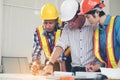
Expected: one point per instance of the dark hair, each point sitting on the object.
(101, 13)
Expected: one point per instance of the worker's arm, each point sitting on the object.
(35, 65)
(62, 66)
(61, 45)
(49, 66)
(119, 63)
(62, 62)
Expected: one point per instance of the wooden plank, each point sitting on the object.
(24, 65)
(15, 65)
(11, 65)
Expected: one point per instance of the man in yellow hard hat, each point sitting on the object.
(45, 39)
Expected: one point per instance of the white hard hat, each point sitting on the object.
(68, 9)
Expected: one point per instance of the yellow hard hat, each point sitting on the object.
(48, 12)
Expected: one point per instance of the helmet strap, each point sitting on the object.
(97, 8)
(78, 8)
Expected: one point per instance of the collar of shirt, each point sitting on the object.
(106, 22)
(86, 23)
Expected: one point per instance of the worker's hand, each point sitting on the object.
(92, 67)
(48, 70)
(35, 67)
(119, 64)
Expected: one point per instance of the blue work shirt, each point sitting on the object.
(116, 37)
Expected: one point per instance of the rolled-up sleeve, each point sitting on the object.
(63, 41)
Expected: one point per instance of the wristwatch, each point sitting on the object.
(49, 63)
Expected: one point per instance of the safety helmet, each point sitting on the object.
(88, 5)
(68, 9)
(48, 12)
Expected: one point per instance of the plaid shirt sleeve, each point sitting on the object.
(36, 48)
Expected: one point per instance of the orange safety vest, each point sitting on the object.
(111, 61)
(43, 40)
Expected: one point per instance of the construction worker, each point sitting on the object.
(77, 34)
(45, 38)
(107, 34)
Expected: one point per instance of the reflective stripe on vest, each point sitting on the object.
(97, 46)
(44, 42)
(109, 45)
